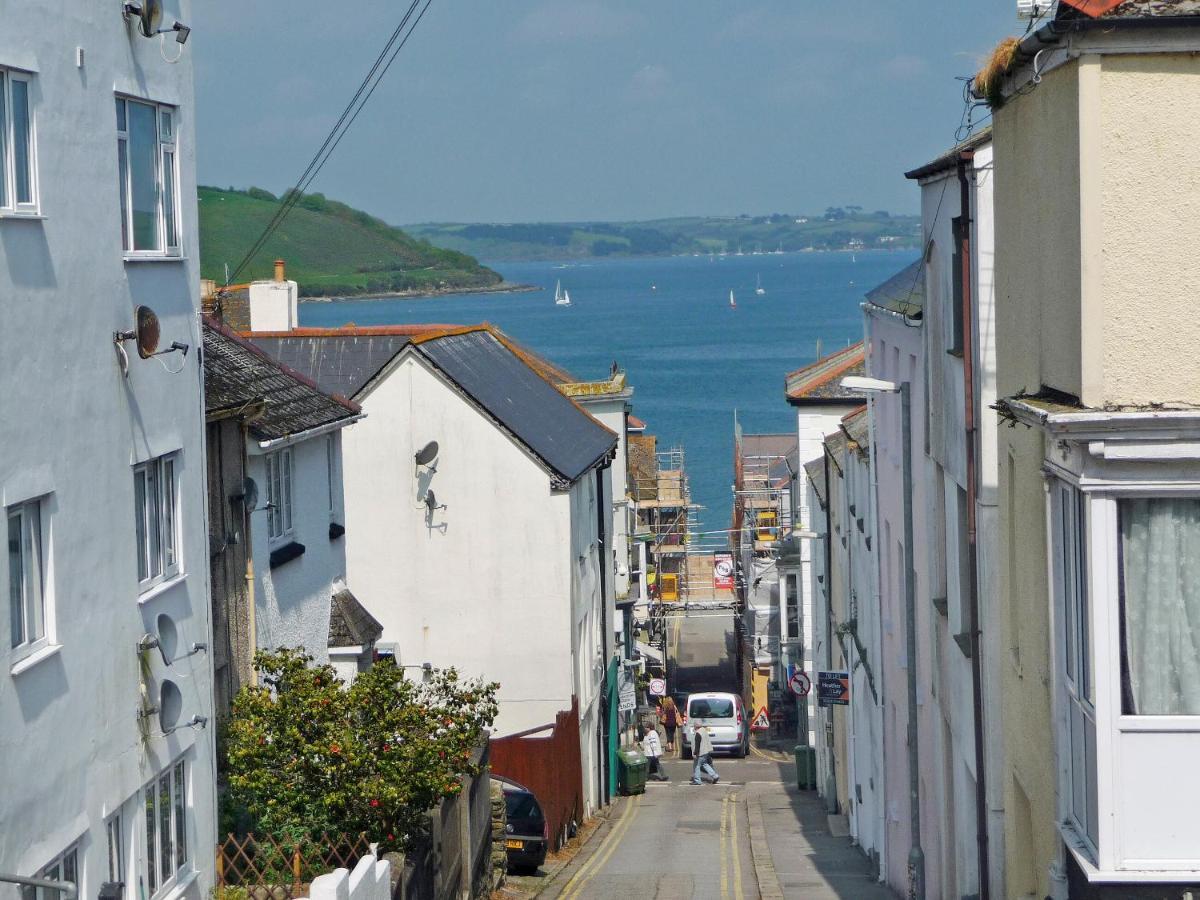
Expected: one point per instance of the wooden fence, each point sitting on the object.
(272, 869)
(551, 766)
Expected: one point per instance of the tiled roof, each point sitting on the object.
(949, 159)
(239, 376)
(903, 293)
(350, 625)
(634, 423)
(520, 398)
(1127, 9)
(820, 382)
(856, 427)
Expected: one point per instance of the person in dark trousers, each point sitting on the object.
(670, 720)
(652, 747)
(702, 750)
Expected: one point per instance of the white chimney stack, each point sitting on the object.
(274, 304)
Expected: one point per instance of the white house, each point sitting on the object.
(106, 695)
(478, 499)
(275, 512)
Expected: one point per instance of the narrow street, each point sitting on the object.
(753, 834)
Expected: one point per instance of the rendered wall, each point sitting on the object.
(71, 430)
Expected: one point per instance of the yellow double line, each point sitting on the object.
(729, 848)
(606, 849)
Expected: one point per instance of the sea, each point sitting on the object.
(695, 363)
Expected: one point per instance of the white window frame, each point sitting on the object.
(9, 205)
(32, 523)
(164, 874)
(281, 480)
(64, 867)
(115, 846)
(156, 518)
(168, 222)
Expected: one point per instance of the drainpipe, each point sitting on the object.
(966, 159)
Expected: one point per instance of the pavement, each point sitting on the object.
(751, 835)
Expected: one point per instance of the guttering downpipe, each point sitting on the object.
(290, 439)
(965, 160)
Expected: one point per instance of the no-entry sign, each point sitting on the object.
(833, 688)
(658, 687)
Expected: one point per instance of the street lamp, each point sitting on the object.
(916, 856)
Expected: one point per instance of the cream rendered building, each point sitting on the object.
(1099, 479)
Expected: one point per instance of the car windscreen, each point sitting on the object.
(711, 708)
(521, 805)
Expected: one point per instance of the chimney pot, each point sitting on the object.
(279, 273)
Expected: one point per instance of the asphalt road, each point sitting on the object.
(677, 840)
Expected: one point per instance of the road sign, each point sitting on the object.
(628, 697)
(658, 687)
(761, 722)
(800, 684)
(833, 688)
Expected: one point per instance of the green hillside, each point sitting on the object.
(838, 228)
(330, 248)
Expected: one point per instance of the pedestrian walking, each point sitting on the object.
(702, 750)
(652, 747)
(670, 719)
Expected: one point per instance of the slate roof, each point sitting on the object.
(856, 426)
(350, 625)
(949, 159)
(903, 293)
(496, 376)
(340, 360)
(816, 477)
(820, 382)
(239, 375)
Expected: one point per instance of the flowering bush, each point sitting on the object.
(308, 753)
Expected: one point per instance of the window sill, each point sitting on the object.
(22, 216)
(286, 553)
(28, 662)
(182, 883)
(158, 258)
(157, 590)
(955, 352)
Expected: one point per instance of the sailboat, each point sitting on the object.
(760, 290)
(561, 297)
(732, 302)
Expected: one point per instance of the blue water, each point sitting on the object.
(691, 360)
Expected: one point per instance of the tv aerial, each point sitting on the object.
(145, 335)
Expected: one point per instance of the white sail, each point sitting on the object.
(759, 289)
(732, 302)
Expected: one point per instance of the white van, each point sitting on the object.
(726, 720)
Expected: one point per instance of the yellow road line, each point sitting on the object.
(603, 852)
(733, 847)
(724, 862)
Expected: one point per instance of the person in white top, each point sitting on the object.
(652, 747)
(702, 750)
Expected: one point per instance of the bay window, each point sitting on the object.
(148, 178)
(18, 172)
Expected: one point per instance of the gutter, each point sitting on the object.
(289, 439)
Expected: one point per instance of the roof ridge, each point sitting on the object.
(853, 348)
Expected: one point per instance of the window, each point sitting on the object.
(279, 494)
(1159, 561)
(64, 867)
(165, 802)
(26, 566)
(18, 176)
(792, 606)
(148, 178)
(116, 852)
(156, 520)
(959, 229)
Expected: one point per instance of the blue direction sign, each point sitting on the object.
(833, 689)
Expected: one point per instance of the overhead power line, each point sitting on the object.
(383, 62)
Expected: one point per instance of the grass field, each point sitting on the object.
(329, 247)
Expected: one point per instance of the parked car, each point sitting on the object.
(726, 720)
(527, 833)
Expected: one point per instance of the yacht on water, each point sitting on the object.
(732, 302)
(561, 297)
(760, 290)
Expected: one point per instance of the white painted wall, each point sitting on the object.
(492, 584)
(610, 411)
(292, 601)
(72, 429)
(274, 305)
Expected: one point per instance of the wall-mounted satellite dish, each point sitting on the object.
(249, 495)
(147, 332)
(148, 13)
(427, 454)
(168, 637)
(170, 705)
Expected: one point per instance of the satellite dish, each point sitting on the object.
(168, 637)
(427, 454)
(147, 332)
(170, 705)
(249, 494)
(149, 14)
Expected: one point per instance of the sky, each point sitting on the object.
(558, 110)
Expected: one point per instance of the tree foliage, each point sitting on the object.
(308, 753)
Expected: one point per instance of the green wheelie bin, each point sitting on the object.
(806, 767)
(632, 770)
